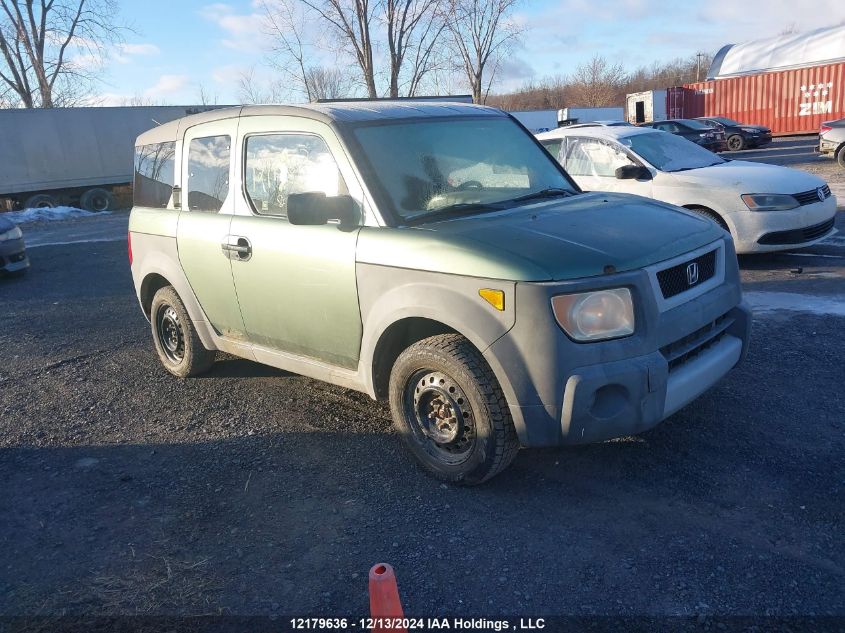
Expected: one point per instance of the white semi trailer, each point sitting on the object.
(74, 156)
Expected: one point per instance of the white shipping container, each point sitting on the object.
(645, 107)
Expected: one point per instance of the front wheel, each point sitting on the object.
(840, 157)
(450, 411)
(176, 341)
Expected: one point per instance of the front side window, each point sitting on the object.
(277, 165)
(428, 167)
(591, 157)
(155, 172)
(208, 172)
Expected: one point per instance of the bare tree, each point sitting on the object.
(481, 32)
(38, 39)
(414, 28)
(597, 82)
(204, 96)
(285, 23)
(328, 83)
(352, 22)
(251, 91)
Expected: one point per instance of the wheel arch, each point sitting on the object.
(394, 339)
(155, 269)
(151, 284)
(705, 210)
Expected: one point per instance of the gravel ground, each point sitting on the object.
(253, 492)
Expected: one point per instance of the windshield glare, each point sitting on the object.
(426, 166)
(670, 152)
(725, 121)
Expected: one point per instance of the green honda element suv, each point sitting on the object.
(434, 255)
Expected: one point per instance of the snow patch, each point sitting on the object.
(49, 214)
(768, 303)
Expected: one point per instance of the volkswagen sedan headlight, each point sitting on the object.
(11, 234)
(769, 201)
(595, 316)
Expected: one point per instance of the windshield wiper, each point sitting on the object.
(551, 192)
(453, 210)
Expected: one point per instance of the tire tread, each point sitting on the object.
(458, 348)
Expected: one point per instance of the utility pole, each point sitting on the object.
(698, 57)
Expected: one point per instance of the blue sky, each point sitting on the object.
(180, 45)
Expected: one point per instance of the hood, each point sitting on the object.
(560, 239)
(746, 177)
(756, 128)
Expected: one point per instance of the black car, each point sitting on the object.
(708, 136)
(739, 135)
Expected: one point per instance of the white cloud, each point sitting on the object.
(139, 49)
(244, 31)
(167, 86)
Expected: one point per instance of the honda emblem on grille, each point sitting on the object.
(692, 274)
(820, 193)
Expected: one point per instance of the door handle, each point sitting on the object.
(237, 247)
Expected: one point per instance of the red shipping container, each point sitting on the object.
(794, 101)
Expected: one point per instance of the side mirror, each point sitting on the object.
(315, 208)
(633, 172)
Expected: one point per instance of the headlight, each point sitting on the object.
(595, 316)
(769, 201)
(13, 234)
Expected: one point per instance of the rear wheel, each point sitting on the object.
(40, 201)
(840, 157)
(176, 341)
(97, 200)
(736, 142)
(450, 411)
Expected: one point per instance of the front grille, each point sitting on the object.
(798, 236)
(812, 196)
(675, 280)
(688, 347)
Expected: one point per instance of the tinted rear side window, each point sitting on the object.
(154, 175)
(208, 172)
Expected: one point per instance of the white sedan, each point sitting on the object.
(765, 207)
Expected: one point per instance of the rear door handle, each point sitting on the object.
(237, 247)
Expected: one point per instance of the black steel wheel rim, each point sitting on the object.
(440, 416)
(171, 337)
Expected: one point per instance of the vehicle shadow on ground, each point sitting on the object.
(232, 367)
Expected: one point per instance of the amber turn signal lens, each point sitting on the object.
(495, 298)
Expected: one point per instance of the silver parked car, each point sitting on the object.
(832, 140)
(12, 251)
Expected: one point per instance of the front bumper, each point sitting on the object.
(768, 231)
(13, 256)
(562, 392)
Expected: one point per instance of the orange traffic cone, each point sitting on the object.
(385, 607)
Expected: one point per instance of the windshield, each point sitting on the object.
(669, 152)
(463, 164)
(725, 120)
